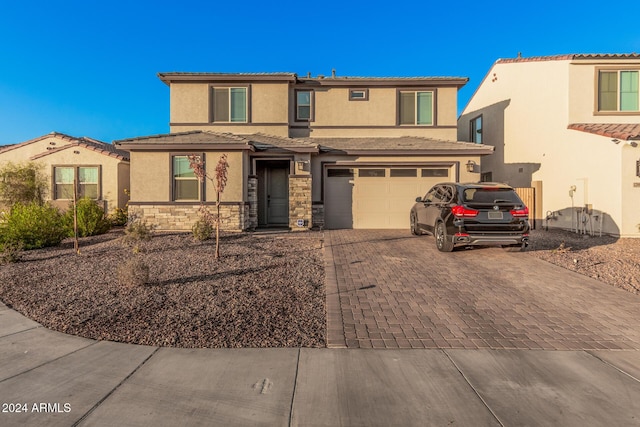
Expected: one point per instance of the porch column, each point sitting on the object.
(252, 195)
(300, 205)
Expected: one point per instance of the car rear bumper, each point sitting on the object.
(490, 239)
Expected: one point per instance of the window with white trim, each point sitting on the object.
(476, 130)
(230, 105)
(618, 90)
(416, 108)
(303, 105)
(87, 179)
(185, 185)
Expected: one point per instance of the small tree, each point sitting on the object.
(219, 181)
(23, 183)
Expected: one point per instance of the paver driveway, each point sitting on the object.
(389, 289)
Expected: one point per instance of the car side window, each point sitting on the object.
(428, 198)
(446, 194)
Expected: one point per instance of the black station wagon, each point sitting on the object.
(471, 215)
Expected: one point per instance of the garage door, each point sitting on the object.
(376, 197)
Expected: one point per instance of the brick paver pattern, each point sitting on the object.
(388, 289)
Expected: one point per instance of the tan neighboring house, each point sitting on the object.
(100, 170)
(334, 152)
(569, 126)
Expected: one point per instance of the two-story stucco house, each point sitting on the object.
(335, 152)
(569, 126)
(99, 170)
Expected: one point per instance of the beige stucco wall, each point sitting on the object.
(332, 108)
(151, 176)
(112, 170)
(527, 124)
(582, 92)
(630, 191)
(191, 109)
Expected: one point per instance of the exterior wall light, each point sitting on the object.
(471, 165)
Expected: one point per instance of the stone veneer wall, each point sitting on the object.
(235, 217)
(252, 196)
(300, 205)
(318, 215)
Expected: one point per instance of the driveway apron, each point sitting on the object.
(389, 289)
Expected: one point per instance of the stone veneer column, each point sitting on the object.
(300, 205)
(252, 195)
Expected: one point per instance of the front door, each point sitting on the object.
(277, 196)
(273, 192)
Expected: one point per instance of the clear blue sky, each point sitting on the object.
(88, 68)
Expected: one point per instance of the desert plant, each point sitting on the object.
(11, 252)
(90, 217)
(134, 272)
(22, 183)
(120, 216)
(34, 225)
(136, 232)
(219, 182)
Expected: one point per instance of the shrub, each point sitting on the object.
(11, 252)
(136, 232)
(118, 217)
(91, 219)
(203, 230)
(134, 272)
(22, 183)
(34, 225)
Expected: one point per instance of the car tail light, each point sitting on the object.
(520, 212)
(461, 211)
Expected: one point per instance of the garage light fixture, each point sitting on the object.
(471, 165)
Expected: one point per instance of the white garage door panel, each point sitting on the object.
(373, 202)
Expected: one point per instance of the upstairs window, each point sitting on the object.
(87, 179)
(618, 91)
(358, 94)
(416, 108)
(303, 105)
(476, 130)
(230, 104)
(186, 185)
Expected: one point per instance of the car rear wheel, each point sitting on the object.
(442, 241)
(414, 225)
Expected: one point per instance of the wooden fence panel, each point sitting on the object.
(528, 196)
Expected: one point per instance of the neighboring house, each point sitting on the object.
(100, 170)
(335, 152)
(570, 127)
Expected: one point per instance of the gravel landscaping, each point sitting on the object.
(611, 260)
(265, 291)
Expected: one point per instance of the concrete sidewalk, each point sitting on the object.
(53, 379)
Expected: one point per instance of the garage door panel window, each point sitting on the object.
(340, 173)
(432, 173)
(403, 173)
(371, 173)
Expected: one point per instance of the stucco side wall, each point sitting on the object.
(596, 177)
(24, 152)
(189, 103)
(151, 176)
(630, 192)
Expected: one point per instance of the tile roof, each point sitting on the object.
(190, 137)
(406, 144)
(85, 142)
(570, 57)
(263, 142)
(623, 131)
